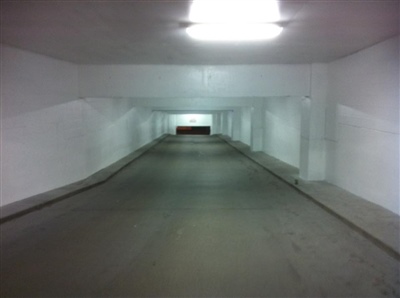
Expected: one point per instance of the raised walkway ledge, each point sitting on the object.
(25, 206)
(377, 224)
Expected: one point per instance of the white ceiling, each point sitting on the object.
(152, 32)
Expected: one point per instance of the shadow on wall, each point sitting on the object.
(283, 129)
(61, 144)
(32, 82)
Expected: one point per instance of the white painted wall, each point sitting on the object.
(169, 81)
(241, 124)
(193, 120)
(50, 137)
(363, 124)
(282, 129)
(233, 88)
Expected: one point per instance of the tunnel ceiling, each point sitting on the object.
(152, 32)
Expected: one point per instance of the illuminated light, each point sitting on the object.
(234, 11)
(233, 32)
(234, 20)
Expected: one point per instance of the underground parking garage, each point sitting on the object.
(191, 217)
(290, 190)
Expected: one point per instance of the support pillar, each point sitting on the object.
(216, 123)
(226, 123)
(312, 145)
(237, 124)
(257, 125)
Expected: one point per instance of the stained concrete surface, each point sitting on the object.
(192, 217)
(378, 224)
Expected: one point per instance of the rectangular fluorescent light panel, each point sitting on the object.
(234, 32)
(234, 11)
(234, 20)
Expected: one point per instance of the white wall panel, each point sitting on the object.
(363, 124)
(193, 120)
(282, 129)
(166, 81)
(50, 137)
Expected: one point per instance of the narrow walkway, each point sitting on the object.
(192, 217)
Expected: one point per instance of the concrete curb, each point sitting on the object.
(28, 205)
(383, 226)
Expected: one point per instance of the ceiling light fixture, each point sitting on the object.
(233, 32)
(228, 11)
(234, 20)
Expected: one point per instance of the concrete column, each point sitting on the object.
(230, 127)
(237, 124)
(216, 123)
(221, 122)
(257, 125)
(172, 124)
(226, 123)
(312, 145)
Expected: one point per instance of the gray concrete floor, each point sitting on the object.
(192, 217)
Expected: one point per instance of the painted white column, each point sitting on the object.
(220, 116)
(312, 145)
(221, 123)
(172, 124)
(257, 125)
(225, 124)
(216, 123)
(229, 124)
(237, 124)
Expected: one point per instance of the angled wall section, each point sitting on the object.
(50, 136)
(363, 124)
(282, 129)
